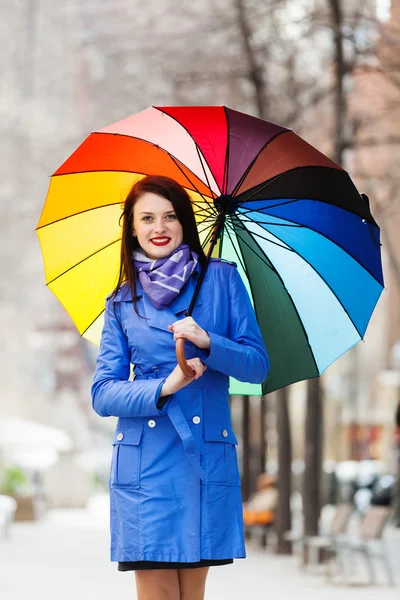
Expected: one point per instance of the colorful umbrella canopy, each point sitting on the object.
(306, 244)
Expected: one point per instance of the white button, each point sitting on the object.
(225, 433)
(120, 437)
(151, 423)
(196, 420)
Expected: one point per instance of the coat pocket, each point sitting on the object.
(126, 458)
(220, 458)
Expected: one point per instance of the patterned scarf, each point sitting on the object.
(162, 279)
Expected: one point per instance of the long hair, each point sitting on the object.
(176, 194)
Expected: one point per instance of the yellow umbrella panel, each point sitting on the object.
(80, 235)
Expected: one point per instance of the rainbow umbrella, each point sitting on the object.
(304, 239)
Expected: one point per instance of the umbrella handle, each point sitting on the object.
(180, 355)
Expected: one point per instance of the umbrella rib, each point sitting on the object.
(208, 236)
(267, 183)
(82, 212)
(202, 210)
(274, 270)
(241, 259)
(322, 235)
(293, 225)
(195, 188)
(210, 218)
(204, 171)
(240, 204)
(134, 172)
(237, 252)
(83, 260)
(188, 132)
(266, 239)
(210, 212)
(226, 165)
(326, 283)
(134, 137)
(251, 165)
(290, 201)
(208, 226)
(273, 179)
(208, 221)
(262, 259)
(207, 211)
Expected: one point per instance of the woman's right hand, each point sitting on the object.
(176, 380)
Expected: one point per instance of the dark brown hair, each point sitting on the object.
(177, 195)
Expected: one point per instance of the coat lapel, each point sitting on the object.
(162, 318)
(183, 300)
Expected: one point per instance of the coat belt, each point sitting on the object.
(178, 420)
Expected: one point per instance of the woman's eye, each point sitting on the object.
(150, 218)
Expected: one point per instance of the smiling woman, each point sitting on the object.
(176, 504)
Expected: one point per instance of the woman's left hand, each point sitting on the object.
(188, 329)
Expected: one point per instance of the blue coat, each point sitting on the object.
(174, 482)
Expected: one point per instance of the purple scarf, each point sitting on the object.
(162, 279)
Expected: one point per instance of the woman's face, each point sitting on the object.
(156, 225)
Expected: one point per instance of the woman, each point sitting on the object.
(174, 484)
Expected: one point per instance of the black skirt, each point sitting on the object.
(143, 565)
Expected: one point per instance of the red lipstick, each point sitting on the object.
(161, 241)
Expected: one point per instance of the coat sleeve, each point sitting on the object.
(242, 355)
(112, 393)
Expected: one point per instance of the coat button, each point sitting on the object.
(155, 368)
(151, 423)
(224, 433)
(196, 420)
(120, 437)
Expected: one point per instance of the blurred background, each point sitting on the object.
(328, 69)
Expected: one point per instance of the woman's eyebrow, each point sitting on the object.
(145, 212)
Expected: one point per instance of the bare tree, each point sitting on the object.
(255, 72)
(314, 413)
(284, 516)
(313, 458)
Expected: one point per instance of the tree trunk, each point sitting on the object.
(263, 434)
(394, 259)
(341, 141)
(283, 517)
(314, 417)
(396, 490)
(313, 458)
(340, 68)
(255, 71)
(246, 448)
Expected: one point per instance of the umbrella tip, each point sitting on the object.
(226, 203)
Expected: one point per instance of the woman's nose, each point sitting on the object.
(159, 226)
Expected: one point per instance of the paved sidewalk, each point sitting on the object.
(66, 556)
